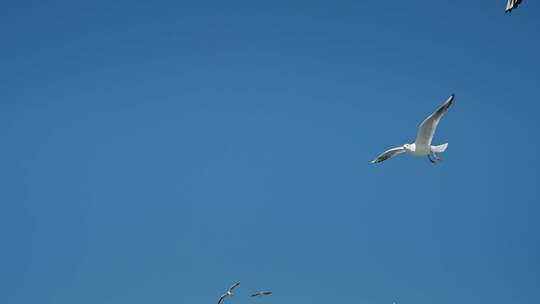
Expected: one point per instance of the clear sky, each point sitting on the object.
(159, 151)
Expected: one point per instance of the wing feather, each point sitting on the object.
(509, 5)
(261, 293)
(234, 286)
(221, 298)
(387, 154)
(512, 4)
(429, 125)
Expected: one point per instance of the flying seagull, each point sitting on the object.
(261, 294)
(422, 146)
(511, 4)
(229, 293)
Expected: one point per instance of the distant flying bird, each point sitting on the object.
(229, 293)
(261, 294)
(422, 146)
(511, 4)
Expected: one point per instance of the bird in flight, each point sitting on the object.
(511, 4)
(422, 146)
(229, 293)
(261, 294)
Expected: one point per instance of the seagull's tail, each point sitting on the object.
(439, 148)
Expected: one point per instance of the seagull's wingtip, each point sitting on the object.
(449, 101)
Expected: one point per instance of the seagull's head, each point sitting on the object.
(407, 147)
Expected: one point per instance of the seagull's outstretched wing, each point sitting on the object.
(234, 286)
(221, 299)
(511, 4)
(387, 154)
(261, 293)
(429, 125)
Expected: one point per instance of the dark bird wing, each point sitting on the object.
(234, 286)
(221, 299)
(511, 4)
(261, 293)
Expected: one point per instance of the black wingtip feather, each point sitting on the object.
(450, 100)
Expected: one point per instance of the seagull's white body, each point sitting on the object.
(422, 146)
(424, 150)
(420, 151)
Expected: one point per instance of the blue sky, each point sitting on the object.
(159, 152)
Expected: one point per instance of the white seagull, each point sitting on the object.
(511, 4)
(229, 293)
(261, 293)
(422, 146)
